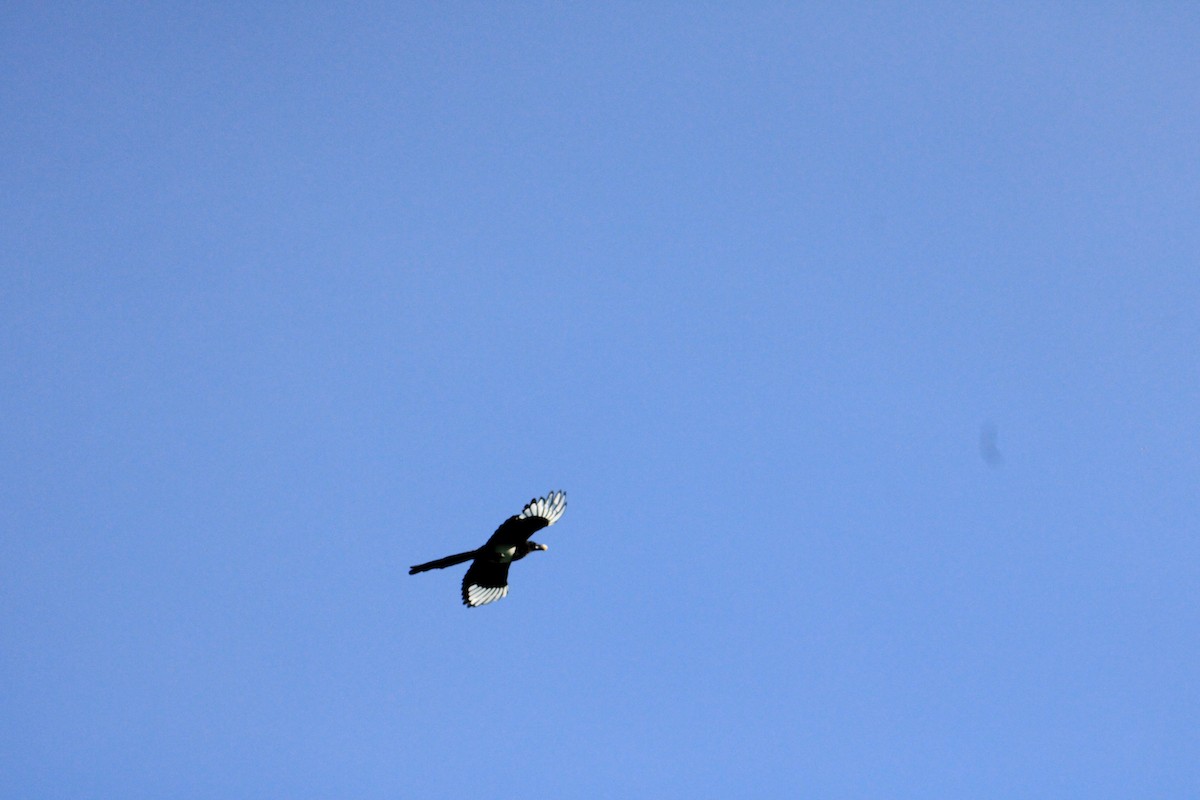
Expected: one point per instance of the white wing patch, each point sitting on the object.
(549, 508)
(482, 595)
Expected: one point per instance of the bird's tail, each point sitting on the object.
(442, 563)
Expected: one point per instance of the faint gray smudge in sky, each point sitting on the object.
(987, 445)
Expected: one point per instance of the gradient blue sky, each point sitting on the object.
(295, 296)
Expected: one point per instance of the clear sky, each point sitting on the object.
(864, 341)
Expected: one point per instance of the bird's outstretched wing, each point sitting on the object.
(549, 508)
(485, 582)
(540, 512)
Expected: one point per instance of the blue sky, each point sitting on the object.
(296, 296)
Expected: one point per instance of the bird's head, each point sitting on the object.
(535, 546)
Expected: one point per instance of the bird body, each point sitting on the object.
(487, 578)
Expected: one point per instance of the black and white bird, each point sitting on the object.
(487, 578)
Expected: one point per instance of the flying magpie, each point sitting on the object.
(487, 578)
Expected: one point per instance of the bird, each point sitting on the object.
(486, 580)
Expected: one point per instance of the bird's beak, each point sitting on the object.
(543, 547)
